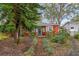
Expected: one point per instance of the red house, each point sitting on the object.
(43, 28)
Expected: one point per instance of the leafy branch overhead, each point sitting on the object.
(26, 14)
(59, 10)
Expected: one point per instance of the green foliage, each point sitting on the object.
(10, 27)
(35, 41)
(32, 48)
(58, 10)
(49, 50)
(45, 42)
(21, 14)
(3, 36)
(29, 52)
(32, 34)
(7, 28)
(47, 46)
(29, 25)
(61, 37)
(58, 39)
(6, 11)
(77, 36)
(1, 28)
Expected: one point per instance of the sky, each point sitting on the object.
(66, 19)
(69, 17)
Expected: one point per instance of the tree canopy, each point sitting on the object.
(19, 15)
(59, 10)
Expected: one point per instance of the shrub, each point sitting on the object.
(31, 50)
(1, 28)
(61, 37)
(77, 36)
(45, 43)
(35, 41)
(58, 39)
(7, 28)
(10, 27)
(47, 46)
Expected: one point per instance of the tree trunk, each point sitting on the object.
(17, 21)
(18, 36)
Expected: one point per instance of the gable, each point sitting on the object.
(72, 26)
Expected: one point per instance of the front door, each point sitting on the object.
(39, 32)
(55, 29)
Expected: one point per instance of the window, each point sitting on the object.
(50, 29)
(43, 29)
(72, 27)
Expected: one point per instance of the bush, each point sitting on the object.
(77, 36)
(45, 43)
(9, 27)
(58, 39)
(2, 28)
(61, 37)
(35, 41)
(47, 46)
(31, 50)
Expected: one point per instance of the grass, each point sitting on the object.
(3, 36)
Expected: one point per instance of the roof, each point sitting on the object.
(44, 24)
(72, 23)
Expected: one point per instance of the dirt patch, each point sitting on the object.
(61, 49)
(9, 48)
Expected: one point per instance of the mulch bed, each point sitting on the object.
(8, 47)
(58, 50)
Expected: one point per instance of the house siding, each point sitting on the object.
(71, 31)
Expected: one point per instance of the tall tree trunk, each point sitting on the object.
(17, 21)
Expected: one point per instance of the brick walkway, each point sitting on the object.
(39, 50)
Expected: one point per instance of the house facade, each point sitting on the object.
(44, 28)
(46, 25)
(72, 28)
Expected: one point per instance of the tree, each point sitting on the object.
(76, 18)
(59, 10)
(23, 15)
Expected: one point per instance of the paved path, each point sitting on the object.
(39, 50)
